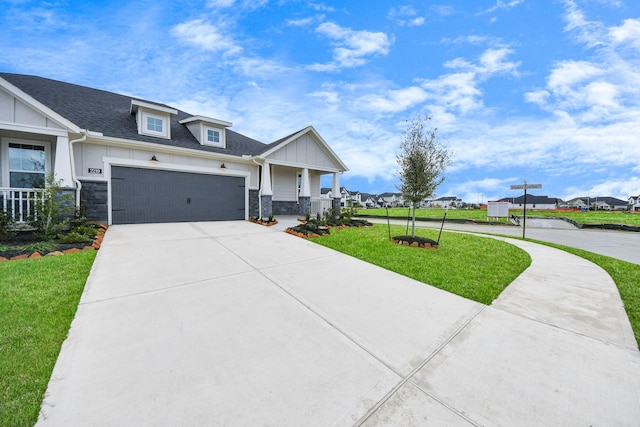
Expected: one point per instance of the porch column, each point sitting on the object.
(62, 162)
(266, 192)
(336, 194)
(305, 193)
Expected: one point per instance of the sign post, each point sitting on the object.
(524, 187)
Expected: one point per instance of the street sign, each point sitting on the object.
(525, 186)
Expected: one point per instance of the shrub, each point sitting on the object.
(52, 213)
(6, 223)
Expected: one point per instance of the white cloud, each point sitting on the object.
(220, 4)
(302, 22)
(352, 48)
(406, 15)
(627, 33)
(501, 4)
(205, 36)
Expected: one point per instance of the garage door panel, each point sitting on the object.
(149, 195)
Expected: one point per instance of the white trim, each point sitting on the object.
(141, 164)
(204, 119)
(301, 166)
(135, 103)
(40, 130)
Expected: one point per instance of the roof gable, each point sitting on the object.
(21, 109)
(303, 147)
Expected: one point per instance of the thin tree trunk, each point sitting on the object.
(413, 225)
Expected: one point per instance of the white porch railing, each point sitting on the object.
(320, 205)
(20, 203)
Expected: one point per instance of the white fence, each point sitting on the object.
(20, 203)
(319, 205)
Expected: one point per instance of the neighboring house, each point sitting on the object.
(533, 202)
(349, 198)
(600, 203)
(445, 202)
(634, 203)
(368, 200)
(391, 199)
(128, 160)
(578, 203)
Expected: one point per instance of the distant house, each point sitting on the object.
(634, 203)
(610, 204)
(368, 200)
(533, 202)
(599, 203)
(444, 202)
(391, 199)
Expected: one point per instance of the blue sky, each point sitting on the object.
(542, 90)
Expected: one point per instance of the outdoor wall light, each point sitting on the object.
(153, 159)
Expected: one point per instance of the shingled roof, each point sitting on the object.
(109, 113)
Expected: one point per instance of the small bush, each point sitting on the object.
(6, 223)
(75, 237)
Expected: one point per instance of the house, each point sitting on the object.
(368, 200)
(445, 202)
(349, 198)
(533, 202)
(129, 160)
(599, 203)
(391, 199)
(633, 203)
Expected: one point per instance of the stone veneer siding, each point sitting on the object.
(305, 205)
(93, 201)
(254, 207)
(267, 209)
(336, 206)
(285, 208)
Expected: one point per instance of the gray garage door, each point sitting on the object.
(149, 195)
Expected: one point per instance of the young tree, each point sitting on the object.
(422, 160)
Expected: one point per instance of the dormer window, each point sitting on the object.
(152, 119)
(154, 124)
(207, 131)
(213, 136)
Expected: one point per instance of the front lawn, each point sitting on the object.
(38, 300)
(473, 267)
(587, 217)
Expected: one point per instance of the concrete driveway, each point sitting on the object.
(232, 323)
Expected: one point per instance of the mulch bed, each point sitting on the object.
(419, 242)
(24, 238)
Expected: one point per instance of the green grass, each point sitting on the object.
(38, 300)
(473, 267)
(626, 275)
(599, 217)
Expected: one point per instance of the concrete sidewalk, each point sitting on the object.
(232, 323)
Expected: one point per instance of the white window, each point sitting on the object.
(24, 163)
(213, 136)
(155, 124)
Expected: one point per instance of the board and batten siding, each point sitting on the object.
(303, 151)
(90, 156)
(13, 110)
